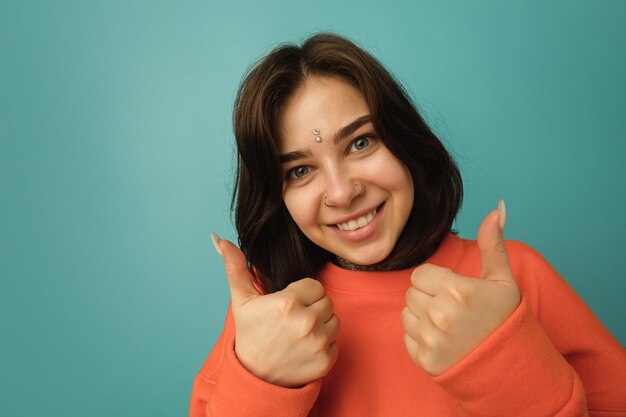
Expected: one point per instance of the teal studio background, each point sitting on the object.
(116, 160)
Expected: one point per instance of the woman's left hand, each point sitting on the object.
(448, 315)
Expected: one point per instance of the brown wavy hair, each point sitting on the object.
(276, 249)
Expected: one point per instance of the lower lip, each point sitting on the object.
(361, 233)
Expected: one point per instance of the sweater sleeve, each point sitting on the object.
(225, 388)
(551, 357)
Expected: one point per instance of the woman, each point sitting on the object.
(344, 205)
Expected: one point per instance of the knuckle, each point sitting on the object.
(431, 340)
(286, 303)
(332, 327)
(330, 304)
(413, 354)
(461, 293)
(418, 272)
(405, 318)
(325, 359)
(430, 366)
(331, 354)
(306, 324)
(441, 319)
(430, 361)
(409, 296)
(319, 345)
(337, 324)
(312, 283)
(500, 248)
(412, 349)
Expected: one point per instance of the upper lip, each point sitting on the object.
(355, 215)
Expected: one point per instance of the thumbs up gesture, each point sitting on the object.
(287, 338)
(448, 315)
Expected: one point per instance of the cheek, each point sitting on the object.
(398, 181)
(408, 191)
(301, 207)
(394, 176)
(407, 195)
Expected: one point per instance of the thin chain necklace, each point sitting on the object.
(345, 264)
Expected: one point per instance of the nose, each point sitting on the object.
(341, 190)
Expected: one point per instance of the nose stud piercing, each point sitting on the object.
(318, 138)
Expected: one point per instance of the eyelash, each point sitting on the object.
(290, 175)
(291, 172)
(370, 139)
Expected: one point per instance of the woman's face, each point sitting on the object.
(346, 192)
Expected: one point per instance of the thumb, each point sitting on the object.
(237, 273)
(494, 259)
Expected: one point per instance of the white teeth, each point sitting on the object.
(357, 223)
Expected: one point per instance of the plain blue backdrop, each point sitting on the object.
(116, 160)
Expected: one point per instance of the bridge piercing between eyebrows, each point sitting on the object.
(318, 138)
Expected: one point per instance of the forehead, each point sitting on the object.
(321, 102)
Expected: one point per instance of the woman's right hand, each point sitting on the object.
(286, 338)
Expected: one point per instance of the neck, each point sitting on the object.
(381, 266)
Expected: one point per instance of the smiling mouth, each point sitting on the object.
(358, 222)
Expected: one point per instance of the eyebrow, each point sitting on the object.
(341, 134)
(346, 131)
(294, 156)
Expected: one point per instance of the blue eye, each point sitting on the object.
(298, 172)
(360, 144)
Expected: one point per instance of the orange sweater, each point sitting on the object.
(551, 357)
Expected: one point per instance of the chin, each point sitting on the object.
(366, 259)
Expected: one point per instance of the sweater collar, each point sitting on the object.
(388, 282)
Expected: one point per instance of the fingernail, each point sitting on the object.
(216, 239)
(502, 210)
